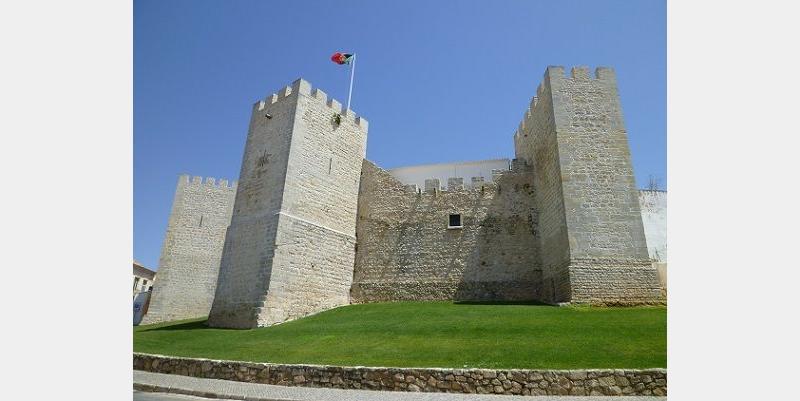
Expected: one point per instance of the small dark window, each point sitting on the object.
(455, 221)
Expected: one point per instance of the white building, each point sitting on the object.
(443, 171)
(143, 278)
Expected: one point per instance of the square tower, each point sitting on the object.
(593, 243)
(189, 263)
(290, 248)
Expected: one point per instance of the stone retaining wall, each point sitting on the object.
(481, 381)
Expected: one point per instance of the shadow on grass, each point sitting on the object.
(196, 325)
(534, 303)
(203, 324)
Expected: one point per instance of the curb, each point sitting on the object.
(511, 382)
(230, 390)
(150, 388)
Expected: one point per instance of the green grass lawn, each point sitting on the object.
(433, 334)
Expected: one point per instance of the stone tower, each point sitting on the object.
(290, 248)
(592, 243)
(189, 263)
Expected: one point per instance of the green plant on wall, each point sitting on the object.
(336, 119)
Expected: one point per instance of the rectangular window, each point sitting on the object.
(455, 221)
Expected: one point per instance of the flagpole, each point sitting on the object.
(352, 72)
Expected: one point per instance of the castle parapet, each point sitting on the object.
(557, 73)
(455, 184)
(187, 179)
(578, 73)
(301, 86)
(431, 184)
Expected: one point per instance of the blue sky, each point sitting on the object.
(438, 81)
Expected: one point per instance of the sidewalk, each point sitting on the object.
(212, 388)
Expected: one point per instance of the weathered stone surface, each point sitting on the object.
(577, 391)
(189, 262)
(404, 237)
(593, 249)
(577, 375)
(564, 224)
(517, 382)
(290, 247)
(607, 381)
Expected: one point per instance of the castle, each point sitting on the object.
(312, 225)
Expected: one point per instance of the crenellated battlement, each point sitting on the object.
(303, 87)
(580, 72)
(187, 179)
(464, 194)
(561, 222)
(577, 73)
(460, 184)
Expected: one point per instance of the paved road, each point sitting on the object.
(223, 389)
(146, 396)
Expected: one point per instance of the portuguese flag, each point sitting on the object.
(346, 58)
(341, 58)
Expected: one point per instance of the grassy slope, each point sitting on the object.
(433, 334)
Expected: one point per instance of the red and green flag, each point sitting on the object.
(341, 58)
(346, 58)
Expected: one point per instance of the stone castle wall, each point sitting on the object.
(190, 256)
(407, 252)
(291, 245)
(315, 224)
(575, 137)
(535, 142)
